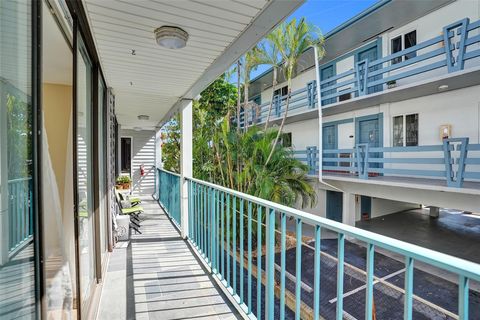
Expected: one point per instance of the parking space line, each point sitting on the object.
(292, 278)
(349, 293)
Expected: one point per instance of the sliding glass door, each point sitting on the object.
(84, 174)
(18, 267)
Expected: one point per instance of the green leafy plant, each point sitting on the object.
(123, 179)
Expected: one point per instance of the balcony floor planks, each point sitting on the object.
(156, 276)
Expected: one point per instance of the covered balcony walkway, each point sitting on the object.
(156, 275)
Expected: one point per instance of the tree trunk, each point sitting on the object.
(282, 124)
(238, 95)
(274, 85)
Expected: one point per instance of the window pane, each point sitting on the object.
(84, 172)
(398, 131)
(396, 47)
(410, 41)
(411, 123)
(17, 268)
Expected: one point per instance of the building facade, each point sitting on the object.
(399, 118)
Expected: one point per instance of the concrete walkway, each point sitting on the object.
(155, 275)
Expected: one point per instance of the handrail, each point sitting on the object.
(169, 172)
(220, 227)
(441, 260)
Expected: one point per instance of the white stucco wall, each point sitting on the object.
(304, 133)
(381, 207)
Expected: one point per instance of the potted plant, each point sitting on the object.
(123, 182)
(391, 84)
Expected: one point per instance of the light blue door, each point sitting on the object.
(326, 73)
(369, 131)
(329, 138)
(334, 205)
(371, 54)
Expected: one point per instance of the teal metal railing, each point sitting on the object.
(20, 208)
(227, 228)
(169, 194)
(455, 161)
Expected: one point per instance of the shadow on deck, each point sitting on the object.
(156, 275)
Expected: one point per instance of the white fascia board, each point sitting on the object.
(274, 12)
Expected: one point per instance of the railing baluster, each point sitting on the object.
(204, 229)
(316, 276)
(463, 291)
(217, 228)
(270, 264)
(22, 212)
(197, 215)
(340, 266)
(234, 245)
(222, 240)
(209, 227)
(259, 262)
(189, 231)
(283, 249)
(241, 250)
(249, 236)
(228, 239)
(298, 268)
(369, 281)
(408, 289)
(213, 232)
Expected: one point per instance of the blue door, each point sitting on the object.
(368, 130)
(326, 73)
(329, 138)
(371, 54)
(334, 205)
(365, 207)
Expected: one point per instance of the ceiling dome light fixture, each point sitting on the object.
(171, 37)
(143, 117)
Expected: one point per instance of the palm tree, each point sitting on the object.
(270, 55)
(292, 40)
(283, 180)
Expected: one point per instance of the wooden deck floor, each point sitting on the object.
(17, 286)
(155, 275)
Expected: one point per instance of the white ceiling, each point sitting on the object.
(154, 79)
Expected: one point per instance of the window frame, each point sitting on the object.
(402, 35)
(404, 129)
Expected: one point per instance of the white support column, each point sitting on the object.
(350, 207)
(4, 230)
(186, 160)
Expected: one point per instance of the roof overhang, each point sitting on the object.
(153, 80)
(363, 28)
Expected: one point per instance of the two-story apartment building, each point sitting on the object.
(399, 121)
